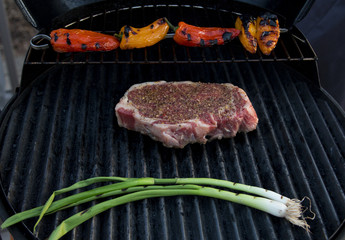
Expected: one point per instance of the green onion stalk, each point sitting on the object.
(134, 189)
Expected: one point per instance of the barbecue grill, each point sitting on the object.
(60, 127)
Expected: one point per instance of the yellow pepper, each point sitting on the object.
(143, 37)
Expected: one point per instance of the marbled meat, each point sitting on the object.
(179, 113)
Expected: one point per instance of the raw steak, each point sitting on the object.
(178, 113)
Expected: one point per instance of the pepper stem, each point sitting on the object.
(117, 35)
(174, 28)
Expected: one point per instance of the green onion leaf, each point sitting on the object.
(270, 206)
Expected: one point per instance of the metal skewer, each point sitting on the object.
(39, 37)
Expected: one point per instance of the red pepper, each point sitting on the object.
(193, 36)
(77, 40)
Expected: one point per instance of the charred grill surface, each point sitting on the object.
(59, 131)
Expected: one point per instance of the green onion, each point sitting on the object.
(226, 184)
(77, 185)
(76, 200)
(134, 189)
(51, 206)
(275, 208)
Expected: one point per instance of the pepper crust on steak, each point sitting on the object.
(179, 113)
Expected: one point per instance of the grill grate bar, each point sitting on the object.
(302, 148)
(337, 134)
(182, 166)
(244, 223)
(308, 101)
(288, 57)
(44, 191)
(24, 143)
(216, 222)
(311, 167)
(61, 152)
(163, 223)
(283, 164)
(105, 151)
(179, 203)
(143, 205)
(18, 175)
(43, 123)
(159, 61)
(265, 159)
(297, 46)
(329, 149)
(256, 179)
(254, 233)
(9, 152)
(253, 171)
(220, 157)
(128, 212)
(327, 139)
(321, 147)
(57, 59)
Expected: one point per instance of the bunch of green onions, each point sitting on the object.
(134, 189)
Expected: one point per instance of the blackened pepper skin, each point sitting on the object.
(77, 40)
(68, 41)
(263, 32)
(56, 37)
(268, 32)
(193, 36)
(227, 36)
(143, 37)
(247, 25)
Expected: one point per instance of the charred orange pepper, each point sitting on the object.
(77, 40)
(247, 25)
(267, 32)
(193, 36)
(143, 37)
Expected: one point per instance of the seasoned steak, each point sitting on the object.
(178, 113)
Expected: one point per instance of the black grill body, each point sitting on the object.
(61, 128)
(55, 11)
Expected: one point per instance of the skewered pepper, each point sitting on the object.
(247, 25)
(267, 32)
(77, 40)
(143, 37)
(193, 36)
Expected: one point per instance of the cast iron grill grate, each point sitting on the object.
(60, 131)
(62, 128)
